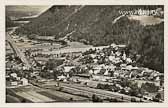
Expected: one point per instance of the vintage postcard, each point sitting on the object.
(84, 55)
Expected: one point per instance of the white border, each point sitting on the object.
(3, 3)
(84, 2)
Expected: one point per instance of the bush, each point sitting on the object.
(96, 98)
(149, 87)
(133, 100)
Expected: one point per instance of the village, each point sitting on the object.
(85, 74)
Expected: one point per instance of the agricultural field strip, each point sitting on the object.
(28, 96)
(42, 97)
(76, 91)
(55, 47)
(66, 95)
(54, 97)
(34, 96)
(68, 50)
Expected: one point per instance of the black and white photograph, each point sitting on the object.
(84, 53)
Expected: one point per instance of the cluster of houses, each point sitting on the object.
(13, 66)
(15, 80)
(115, 65)
(106, 66)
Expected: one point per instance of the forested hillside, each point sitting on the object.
(94, 25)
(10, 23)
(57, 19)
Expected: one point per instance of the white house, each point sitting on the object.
(116, 74)
(68, 68)
(118, 53)
(14, 83)
(18, 78)
(95, 60)
(106, 72)
(124, 56)
(128, 60)
(14, 75)
(24, 81)
(93, 55)
(91, 71)
(62, 77)
(97, 69)
(25, 68)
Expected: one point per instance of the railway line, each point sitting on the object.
(102, 93)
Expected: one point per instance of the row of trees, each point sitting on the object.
(134, 90)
